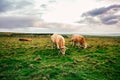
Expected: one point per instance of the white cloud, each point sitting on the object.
(68, 11)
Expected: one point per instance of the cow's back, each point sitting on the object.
(58, 39)
(76, 38)
(54, 38)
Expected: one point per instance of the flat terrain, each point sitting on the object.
(36, 60)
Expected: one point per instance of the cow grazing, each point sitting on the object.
(79, 40)
(25, 39)
(59, 42)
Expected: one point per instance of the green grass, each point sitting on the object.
(37, 60)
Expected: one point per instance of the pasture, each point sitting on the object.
(36, 60)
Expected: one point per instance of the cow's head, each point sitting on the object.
(63, 49)
(85, 45)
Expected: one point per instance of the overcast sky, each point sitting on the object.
(60, 16)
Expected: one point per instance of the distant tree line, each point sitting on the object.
(9, 34)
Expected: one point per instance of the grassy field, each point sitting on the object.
(36, 60)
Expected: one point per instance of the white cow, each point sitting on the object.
(79, 40)
(59, 42)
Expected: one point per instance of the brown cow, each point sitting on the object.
(59, 42)
(79, 40)
(25, 39)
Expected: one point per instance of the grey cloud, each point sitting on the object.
(111, 20)
(4, 5)
(102, 10)
(16, 22)
(46, 4)
(27, 22)
(51, 1)
(18, 4)
(25, 7)
(42, 7)
(105, 15)
(7, 5)
(95, 12)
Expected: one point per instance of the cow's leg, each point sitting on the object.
(78, 44)
(73, 43)
(53, 48)
(57, 46)
(52, 45)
